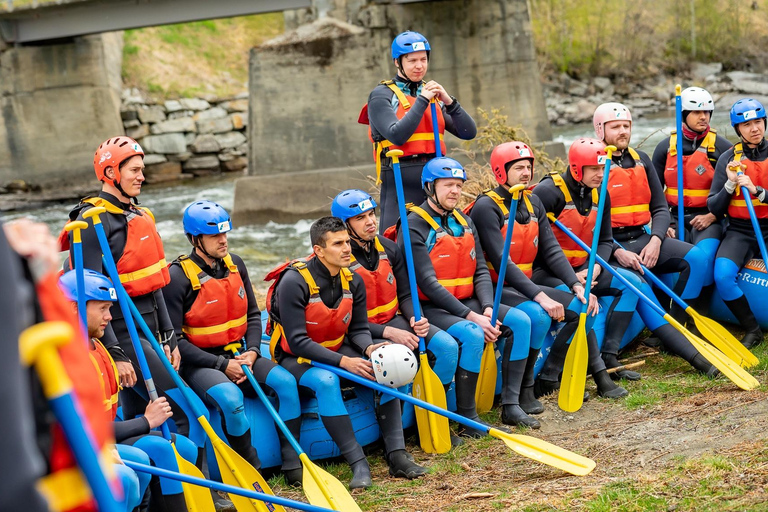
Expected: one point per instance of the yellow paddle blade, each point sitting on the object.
(727, 367)
(724, 340)
(236, 471)
(486, 381)
(198, 498)
(324, 490)
(546, 453)
(434, 431)
(574, 379)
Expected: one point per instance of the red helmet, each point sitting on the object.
(112, 153)
(507, 153)
(585, 151)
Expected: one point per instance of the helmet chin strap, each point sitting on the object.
(357, 238)
(197, 243)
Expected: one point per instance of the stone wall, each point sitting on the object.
(188, 137)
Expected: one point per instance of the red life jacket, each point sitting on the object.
(106, 369)
(142, 266)
(326, 326)
(758, 173)
(697, 172)
(380, 287)
(423, 139)
(583, 226)
(219, 314)
(630, 194)
(65, 487)
(453, 257)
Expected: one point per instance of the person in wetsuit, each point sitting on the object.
(400, 117)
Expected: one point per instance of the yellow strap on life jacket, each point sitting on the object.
(560, 183)
(215, 329)
(381, 309)
(634, 154)
(500, 202)
(65, 489)
(688, 192)
(630, 209)
(192, 270)
(431, 221)
(379, 147)
(143, 272)
(113, 208)
(708, 143)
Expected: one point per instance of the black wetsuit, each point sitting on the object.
(386, 126)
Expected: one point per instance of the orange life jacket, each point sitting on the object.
(326, 326)
(106, 369)
(219, 314)
(697, 172)
(380, 287)
(583, 226)
(630, 194)
(453, 257)
(423, 139)
(65, 487)
(758, 173)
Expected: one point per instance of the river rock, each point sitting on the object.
(161, 172)
(167, 143)
(154, 114)
(702, 70)
(239, 121)
(205, 143)
(214, 125)
(235, 105)
(132, 97)
(152, 159)
(207, 162)
(211, 113)
(189, 138)
(173, 106)
(181, 113)
(194, 104)
(131, 123)
(242, 148)
(129, 115)
(183, 124)
(236, 164)
(180, 157)
(137, 132)
(749, 83)
(230, 140)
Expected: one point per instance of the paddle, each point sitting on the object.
(680, 184)
(201, 482)
(727, 367)
(37, 347)
(755, 222)
(571, 395)
(436, 129)
(320, 487)
(486, 381)
(712, 331)
(434, 431)
(236, 470)
(77, 243)
(527, 446)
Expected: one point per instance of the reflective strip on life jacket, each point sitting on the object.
(758, 173)
(630, 194)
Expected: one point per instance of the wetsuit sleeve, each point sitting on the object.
(292, 299)
(253, 332)
(549, 248)
(425, 272)
(131, 428)
(165, 327)
(383, 119)
(659, 207)
(400, 270)
(488, 221)
(660, 159)
(719, 198)
(459, 122)
(550, 196)
(358, 334)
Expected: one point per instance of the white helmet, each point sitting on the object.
(394, 365)
(609, 112)
(696, 98)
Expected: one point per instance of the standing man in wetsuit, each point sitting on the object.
(211, 304)
(138, 253)
(400, 117)
(319, 312)
(739, 245)
(702, 147)
(380, 263)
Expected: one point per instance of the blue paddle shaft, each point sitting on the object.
(80, 279)
(502, 273)
(680, 184)
(436, 129)
(755, 222)
(269, 498)
(596, 235)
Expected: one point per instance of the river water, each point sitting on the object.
(262, 246)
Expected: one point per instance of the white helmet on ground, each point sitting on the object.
(394, 365)
(696, 98)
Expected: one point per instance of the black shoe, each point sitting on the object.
(361, 475)
(605, 386)
(515, 416)
(294, 477)
(403, 466)
(545, 387)
(456, 440)
(612, 362)
(528, 402)
(222, 503)
(617, 392)
(752, 339)
(704, 366)
(652, 342)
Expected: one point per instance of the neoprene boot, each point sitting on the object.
(160, 502)
(513, 374)
(401, 465)
(528, 402)
(342, 433)
(678, 313)
(361, 475)
(614, 332)
(466, 383)
(743, 313)
(291, 468)
(242, 445)
(611, 361)
(704, 366)
(606, 387)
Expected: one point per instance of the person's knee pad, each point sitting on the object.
(651, 318)
(162, 454)
(445, 350)
(627, 300)
(196, 432)
(697, 261)
(186, 448)
(130, 483)
(133, 454)
(229, 400)
(520, 325)
(327, 390)
(709, 247)
(540, 322)
(725, 274)
(471, 342)
(284, 385)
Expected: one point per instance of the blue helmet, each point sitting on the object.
(206, 218)
(351, 203)
(409, 42)
(97, 286)
(442, 167)
(746, 110)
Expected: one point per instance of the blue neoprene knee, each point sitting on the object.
(650, 317)
(284, 385)
(186, 448)
(446, 352)
(161, 453)
(540, 322)
(697, 260)
(327, 390)
(709, 247)
(726, 272)
(229, 401)
(471, 341)
(130, 482)
(520, 324)
(133, 454)
(196, 432)
(627, 300)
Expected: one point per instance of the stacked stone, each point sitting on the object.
(188, 137)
